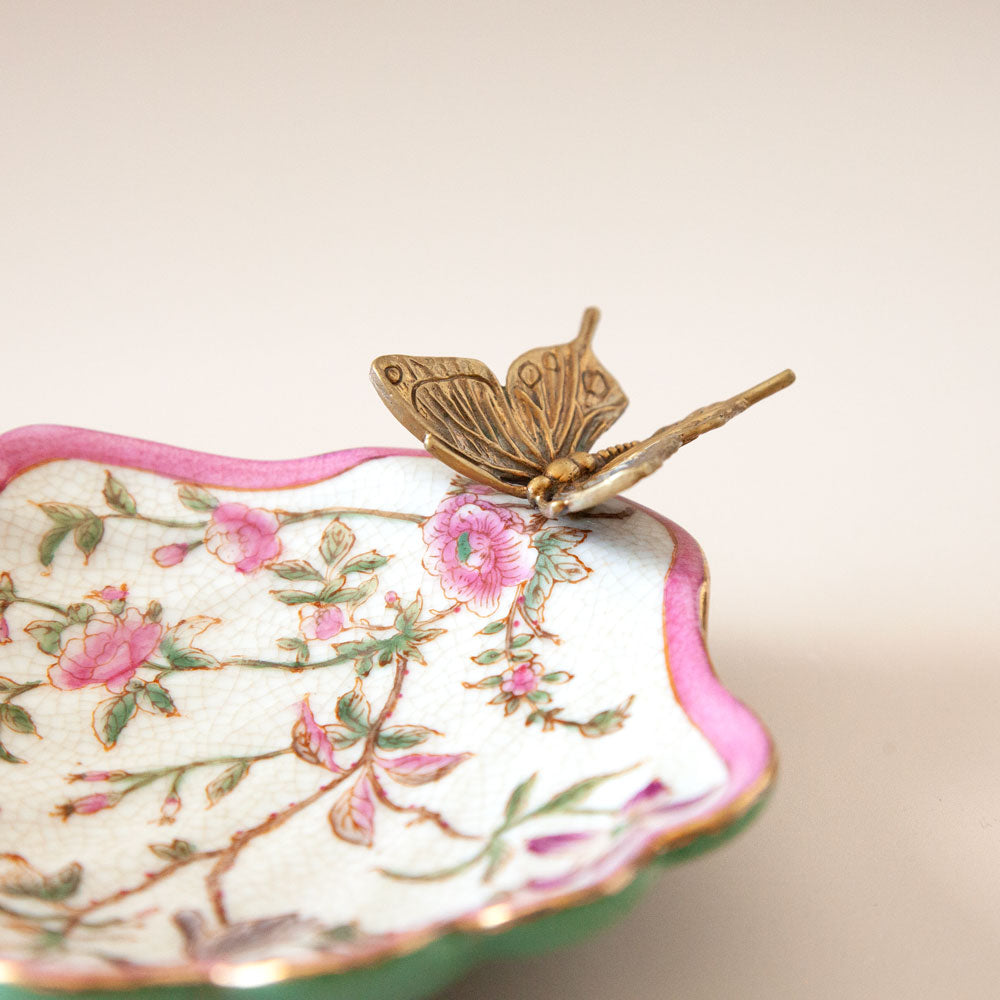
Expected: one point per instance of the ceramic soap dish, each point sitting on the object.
(349, 717)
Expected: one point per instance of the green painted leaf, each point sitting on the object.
(494, 627)
(291, 643)
(112, 716)
(354, 711)
(521, 640)
(488, 657)
(6, 588)
(557, 677)
(408, 617)
(66, 515)
(463, 548)
(386, 656)
(176, 850)
(195, 498)
(518, 799)
(352, 595)
(571, 796)
(226, 782)
(154, 611)
(88, 534)
(117, 497)
(558, 539)
(336, 542)
(352, 650)
(497, 857)
(51, 541)
(16, 719)
(297, 569)
(293, 596)
(366, 563)
(342, 738)
(159, 698)
(31, 884)
(46, 634)
(364, 666)
(403, 737)
(567, 567)
(8, 757)
(608, 721)
(539, 697)
(186, 657)
(79, 613)
(494, 680)
(512, 706)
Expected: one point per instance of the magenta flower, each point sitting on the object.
(520, 680)
(111, 594)
(320, 623)
(109, 652)
(4, 631)
(170, 555)
(244, 537)
(478, 549)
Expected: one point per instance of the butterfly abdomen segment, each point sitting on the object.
(570, 468)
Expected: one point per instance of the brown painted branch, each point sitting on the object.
(227, 856)
(421, 813)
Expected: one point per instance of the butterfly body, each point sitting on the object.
(532, 437)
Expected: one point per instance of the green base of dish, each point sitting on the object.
(429, 970)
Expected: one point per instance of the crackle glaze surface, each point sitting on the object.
(310, 722)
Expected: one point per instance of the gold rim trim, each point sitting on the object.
(490, 920)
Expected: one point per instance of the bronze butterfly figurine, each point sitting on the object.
(532, 437)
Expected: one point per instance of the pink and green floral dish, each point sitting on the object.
(345, 724)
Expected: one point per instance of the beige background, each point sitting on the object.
(213, 215)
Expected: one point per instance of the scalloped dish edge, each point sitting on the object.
(738, 736)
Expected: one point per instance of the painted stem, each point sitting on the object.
(57, 608)
(291, 517)
(163, 522)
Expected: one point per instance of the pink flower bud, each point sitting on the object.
(391, 597)
(111, 594)
(169, 809)
(4, 632)
(170, 555)
(89, 804)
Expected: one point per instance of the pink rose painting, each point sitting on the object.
(320, 623)
(520, 680)
(478, 549)
(244, 537)
(109, 652)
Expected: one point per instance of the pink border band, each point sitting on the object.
(735, 732)
(25, 447)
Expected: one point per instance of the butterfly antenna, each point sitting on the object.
(587, 326)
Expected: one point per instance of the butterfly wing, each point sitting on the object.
(647, 456)
(639, 461)
(458, 408)
(562, 396)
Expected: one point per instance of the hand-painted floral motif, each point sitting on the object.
(244, 537)
(105, 649)
(479, 549)
(321, 622)
(364, 626)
